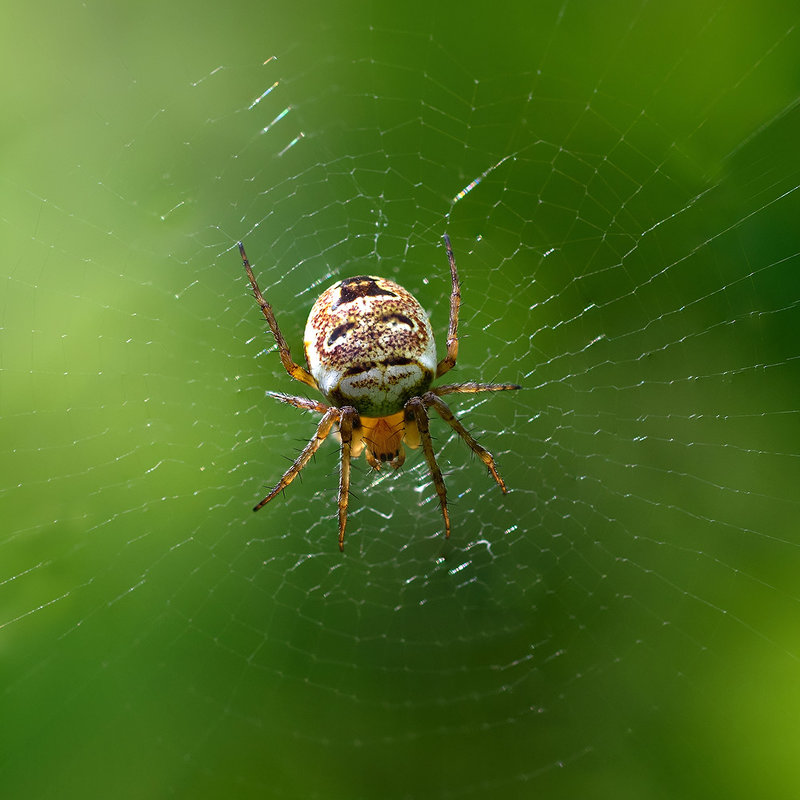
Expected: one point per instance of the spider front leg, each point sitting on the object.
(417, 407)
(295, 370)
(470, 387)
(306, 403)
(448, 362)
(323, 429)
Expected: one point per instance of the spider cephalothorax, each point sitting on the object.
(371, 353)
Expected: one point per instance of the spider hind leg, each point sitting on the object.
(323, 429)
(416, 405)
(348, 420)
(443, 410)
(417, 432)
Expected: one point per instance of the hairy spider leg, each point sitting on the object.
(417, 407)
(323, 429)
(306, 403)
(348, 419)
(295, 370)
(455, 301)
(443, 410)
(470, 387)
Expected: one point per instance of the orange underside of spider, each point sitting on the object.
(380, 438)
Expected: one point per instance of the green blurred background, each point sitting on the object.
(623, 624)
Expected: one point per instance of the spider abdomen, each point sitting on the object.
(369, 344)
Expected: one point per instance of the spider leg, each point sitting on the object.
(417, 406)
(300, 402)
(430, 399)
(295, 370)
(323, 429)
(399, 459)
(348, 419)
(471, 387)
(455, 301)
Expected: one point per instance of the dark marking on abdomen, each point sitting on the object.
(358, 369)
(397, 361)
(401, 318)
(360, 286)
(339, 331)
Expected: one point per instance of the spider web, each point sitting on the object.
(621, 188)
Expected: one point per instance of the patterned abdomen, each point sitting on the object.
(369, 344)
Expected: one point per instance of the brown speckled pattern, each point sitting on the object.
(369, 344)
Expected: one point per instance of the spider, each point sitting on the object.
(370, 352)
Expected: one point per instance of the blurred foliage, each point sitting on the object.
(620, 183)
